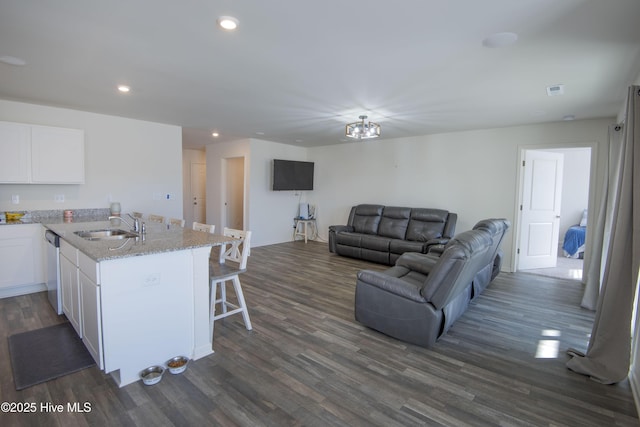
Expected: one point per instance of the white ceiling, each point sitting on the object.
(297, 71)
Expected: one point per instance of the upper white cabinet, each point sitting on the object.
(41, 154)
(15, 150)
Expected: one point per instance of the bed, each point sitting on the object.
(574, 239)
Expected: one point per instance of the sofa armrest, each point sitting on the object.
(422, 263)
(391, 284)
(434, 242)
(340, 228)
(333, 229)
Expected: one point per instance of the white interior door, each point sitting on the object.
(199, 191)
(540, 209)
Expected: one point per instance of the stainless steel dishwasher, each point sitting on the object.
(53, 270)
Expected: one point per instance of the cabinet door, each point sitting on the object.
(91, 317)
(57, 155)
(15, 153)
(21, 257)
(70, 293)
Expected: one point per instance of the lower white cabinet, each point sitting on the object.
(91, 317)
(81, 301)
(70, 285)
(22, 253)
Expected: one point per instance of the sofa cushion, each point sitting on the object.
(401, 246)
(394, 222)
(366, 218)
(375, 243)
(426, 224)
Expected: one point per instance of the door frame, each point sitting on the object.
(515, 237)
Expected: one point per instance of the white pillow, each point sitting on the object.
(583, 221)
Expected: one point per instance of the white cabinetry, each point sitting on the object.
(21, 259)
(90, 307)
(70, 285)
(15, 150)
(32, 154)
(57, 155)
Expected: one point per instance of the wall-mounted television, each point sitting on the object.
(292, 175)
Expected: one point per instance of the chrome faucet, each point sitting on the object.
(135, 227)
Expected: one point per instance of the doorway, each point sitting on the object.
(574, 199)
(233, 197)
(198, 192)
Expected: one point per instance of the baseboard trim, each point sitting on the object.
(14, 291)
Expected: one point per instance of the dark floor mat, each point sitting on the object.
(47, 353)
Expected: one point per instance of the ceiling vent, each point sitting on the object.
(555, 90)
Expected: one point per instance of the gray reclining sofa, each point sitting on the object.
(419, 298)
(381, 234)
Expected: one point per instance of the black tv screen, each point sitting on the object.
(292, 175)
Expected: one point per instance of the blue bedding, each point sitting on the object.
(574, 238)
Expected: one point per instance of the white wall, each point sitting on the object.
(129, 161)
(268, 214)
(272, 212)
(474, 173)
(216, 155)
(575, 187)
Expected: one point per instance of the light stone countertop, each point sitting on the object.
(159, 238)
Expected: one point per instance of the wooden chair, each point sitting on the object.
(198, 226)
(176, 221)
(155, 218)
(235, 254)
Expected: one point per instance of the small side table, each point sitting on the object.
(306, 228)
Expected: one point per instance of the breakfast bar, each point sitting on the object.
(136, 299)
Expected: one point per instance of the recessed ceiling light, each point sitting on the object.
(124, 88)
(228, 23)
(12, 60)
(215, 134)
(259, 133)
(500, 40)
(569, 117)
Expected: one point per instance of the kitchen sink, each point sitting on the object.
(107, 234)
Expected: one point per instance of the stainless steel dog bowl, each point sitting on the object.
(152, 375)
(177, 364)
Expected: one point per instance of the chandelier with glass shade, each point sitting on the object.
(362, 130)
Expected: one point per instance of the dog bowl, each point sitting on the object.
(152, 375)
(178, 364)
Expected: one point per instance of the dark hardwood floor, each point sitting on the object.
(308, 362)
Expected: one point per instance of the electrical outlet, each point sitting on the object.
(15, 199)
(59, 198)
(157, 196)
(169, 196)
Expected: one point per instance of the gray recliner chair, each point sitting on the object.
(419, 298)
(498, 227)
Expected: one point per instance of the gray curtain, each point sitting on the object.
(608, 355)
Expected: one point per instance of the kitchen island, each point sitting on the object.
(137, 301)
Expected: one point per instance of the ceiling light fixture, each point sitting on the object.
(362, 130)
(215, 134)
(228, 23)
(124, 88)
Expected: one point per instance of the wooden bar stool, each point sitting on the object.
(232, 263)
